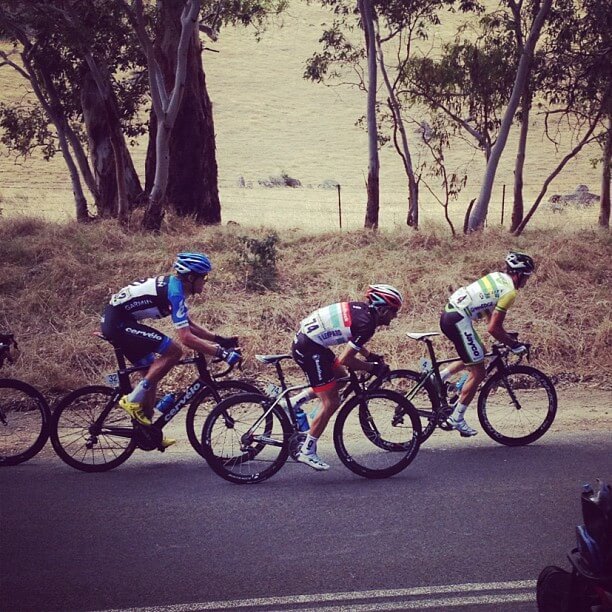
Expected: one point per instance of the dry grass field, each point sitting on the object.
(269, 119)
(55, 279)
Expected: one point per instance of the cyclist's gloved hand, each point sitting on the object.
(230, 357)
(227, 342)
(519, 349)
(374, 357)
(381, 370)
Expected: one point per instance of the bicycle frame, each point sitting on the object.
(124, 387)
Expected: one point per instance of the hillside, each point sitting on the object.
(55, 279)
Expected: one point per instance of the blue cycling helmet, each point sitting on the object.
(197, 263)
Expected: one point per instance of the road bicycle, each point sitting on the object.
(248, 438)
(24, 414)
(517, 403)
(90, 432)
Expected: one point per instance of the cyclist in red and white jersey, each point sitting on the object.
(490, 297)
(350, 323)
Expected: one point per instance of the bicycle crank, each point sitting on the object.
(443, 414)
(147, 438)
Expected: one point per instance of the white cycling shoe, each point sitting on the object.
(313, 460)
(462, 427)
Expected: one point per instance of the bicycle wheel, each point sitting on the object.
(24, 421)
(205, 401)
(85, 442)
(423, 398)
(237, 450)
(392, 433)
(517, 406)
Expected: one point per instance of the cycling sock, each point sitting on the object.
(304, 396)
(310, 445)
(137, 396)
(459, 412)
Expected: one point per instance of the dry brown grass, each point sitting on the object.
(55, 279)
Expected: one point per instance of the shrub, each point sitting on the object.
(258, 259)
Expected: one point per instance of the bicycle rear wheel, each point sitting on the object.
(203, 404)
(517, 406)
(239, 451)
(377, 434)
(84, 440)
(24, 421)
(423, 398)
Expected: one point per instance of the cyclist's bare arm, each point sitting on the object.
(496, 328)
(189, 337)
(349, 359)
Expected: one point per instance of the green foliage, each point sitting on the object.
(258, 258)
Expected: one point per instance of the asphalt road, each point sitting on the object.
(468, 526)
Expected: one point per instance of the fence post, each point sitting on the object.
(339, 207)
(503, 202)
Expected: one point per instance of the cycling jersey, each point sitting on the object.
(153, 298)
(494, 291)
(341, 323)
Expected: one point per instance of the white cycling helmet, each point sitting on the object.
(384, 295)
(520, 262)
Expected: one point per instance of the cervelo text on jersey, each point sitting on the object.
(494, 291)
(340, 323)
(153, 298)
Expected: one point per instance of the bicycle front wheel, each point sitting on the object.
(421, 394)
(90, 432)
(377, 434)
(244, 441)
(203, 404)
(24, 421)
(517, 406)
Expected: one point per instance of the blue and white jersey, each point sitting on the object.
(153, 298)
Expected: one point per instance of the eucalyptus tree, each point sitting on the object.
(397, 25)
(67, 115)
(576, 85)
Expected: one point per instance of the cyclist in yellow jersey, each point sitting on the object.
(489, 297)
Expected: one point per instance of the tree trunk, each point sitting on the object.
(99, 125)
(518, 207)
(367, 19)
(412, 218)
(193, 175)
(479, 212)
(604, 198)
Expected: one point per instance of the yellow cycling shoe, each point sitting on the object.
(134, 409)
(166, 442)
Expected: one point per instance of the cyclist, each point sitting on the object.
(489, 297)
(155, 298)
(351, 323)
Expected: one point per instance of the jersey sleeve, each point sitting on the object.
(505, 301)
(178, 308)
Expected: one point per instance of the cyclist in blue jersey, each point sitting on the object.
(490, 297)
(350, 323)
(155, 298)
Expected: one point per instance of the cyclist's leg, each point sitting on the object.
(317, 362)
(460, 331)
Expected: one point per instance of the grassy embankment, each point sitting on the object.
(55, 279)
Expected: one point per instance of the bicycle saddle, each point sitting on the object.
(421, 335)
(272, 358)
(101, 336)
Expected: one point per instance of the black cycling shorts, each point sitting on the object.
(137, 341)
(317, 361)
(459, 329)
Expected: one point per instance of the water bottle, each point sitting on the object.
(301, 418)
(165, 403)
